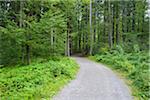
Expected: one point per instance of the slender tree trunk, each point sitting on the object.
(22, 51)
(21, 25)
(113, 24)
(83, 39)
(128, 15)
(68, 44)
(79, 36)
(68, 36)
(123, 15)
(124, 18)
(86, 36)
(21, 13)
(99, 35)
(109, 29)
(143, 21)
(28, 53)
(104, 29)
(52, 41)
(28, 49)
(95, 20)
(133, 16)
(91, 42)
(117, 23)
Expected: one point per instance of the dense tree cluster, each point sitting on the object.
(111, 23)
(31, 29)
(116, 32)
(34, 28)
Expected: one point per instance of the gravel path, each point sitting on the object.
(94, 82)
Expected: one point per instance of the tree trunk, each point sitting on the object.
(143, 22)
(99, 33)
(113, 24)
(28, 53)
(86, 36)
(109, 29)
(68, 37)
(21, 25)
(28, 49)
(79, 36)
(23, 55)
(95, 22)
(133, 16)
(128, 20)
(104, 29)
(117, 23)
(68, 46)
(91, 34)
(52, 41)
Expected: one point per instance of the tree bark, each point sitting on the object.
(68, 52)
(79, 36)
(28, 53)
(133, 16)
(104, 29)
(91, 34)
(117, 23)
(52, 41)
(21, 25)
(113, 24)
(86, 36)
(109, 29)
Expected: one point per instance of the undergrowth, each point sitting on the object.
(40, 80)
(134, 65)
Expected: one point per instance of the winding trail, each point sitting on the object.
(94, 82)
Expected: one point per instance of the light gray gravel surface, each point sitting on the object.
(94, 81)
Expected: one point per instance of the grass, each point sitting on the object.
(40, 80)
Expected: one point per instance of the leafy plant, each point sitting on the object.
(134, 64)
(38, 80)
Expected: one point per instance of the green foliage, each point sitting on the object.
(38, 29)
(36, 81)
(44, 33)
(52, 25)
(134, 64)
(135, 40)
(10, 39)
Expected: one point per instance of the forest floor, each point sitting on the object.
(94, 81)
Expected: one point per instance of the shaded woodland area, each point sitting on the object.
(114, 32)
(42, 28)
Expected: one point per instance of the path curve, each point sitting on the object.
(94, 82)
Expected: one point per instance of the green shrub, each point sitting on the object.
(38, 80)
(134, 64)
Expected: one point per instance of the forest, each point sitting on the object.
(39, 37)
